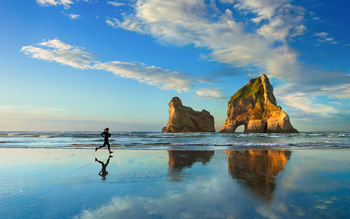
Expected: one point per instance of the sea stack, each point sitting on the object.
(255, 107)
(185, 119)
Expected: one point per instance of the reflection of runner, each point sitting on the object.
(105, 134)
(103, 173)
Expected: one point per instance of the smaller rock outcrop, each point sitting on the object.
(185, 119)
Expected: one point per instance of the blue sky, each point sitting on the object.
(87, 64)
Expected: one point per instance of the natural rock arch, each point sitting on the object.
(255, 106)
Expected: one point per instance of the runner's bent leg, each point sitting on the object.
(104, 144)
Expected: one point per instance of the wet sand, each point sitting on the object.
(71, 183)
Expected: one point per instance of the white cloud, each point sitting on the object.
(263, 9)
(65, 3)
(74, 16)
(152, 75)
(321, 34)
(338, 91)
(301, 101)
(210, 93)
(56, 44)
(116, 4)
(65, 54)
(56, 50)
(191, 22)
(283, 19)
(324, 37)
(126, 24)
(333, 84)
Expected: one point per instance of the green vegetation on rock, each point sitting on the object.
(254, 87)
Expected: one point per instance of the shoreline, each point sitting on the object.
(178, 141)
(185, 148)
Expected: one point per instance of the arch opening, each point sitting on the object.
(240, 129)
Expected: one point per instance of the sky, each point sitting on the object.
(88, 64)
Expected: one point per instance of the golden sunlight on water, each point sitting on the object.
(258, 170)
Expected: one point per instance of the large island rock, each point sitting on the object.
(255, 107)
(185, 119)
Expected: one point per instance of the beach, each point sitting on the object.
(258, 183)
(163, 109)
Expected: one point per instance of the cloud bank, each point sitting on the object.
(65, 54)
(189, 23)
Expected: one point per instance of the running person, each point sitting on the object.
(105, 134)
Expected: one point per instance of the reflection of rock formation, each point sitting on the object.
(185, 119)
(180, 159)
(255, 107)
(258, 169)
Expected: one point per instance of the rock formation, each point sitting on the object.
(258, 169)
(185, 119)
(255, 107)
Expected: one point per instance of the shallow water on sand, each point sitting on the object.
(58, 183)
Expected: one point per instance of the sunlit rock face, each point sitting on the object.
(258, 169)
(255, 107)
(185, 119)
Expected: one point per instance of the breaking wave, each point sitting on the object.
(159, 140)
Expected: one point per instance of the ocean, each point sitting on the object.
(174, 175)
(174, 141)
